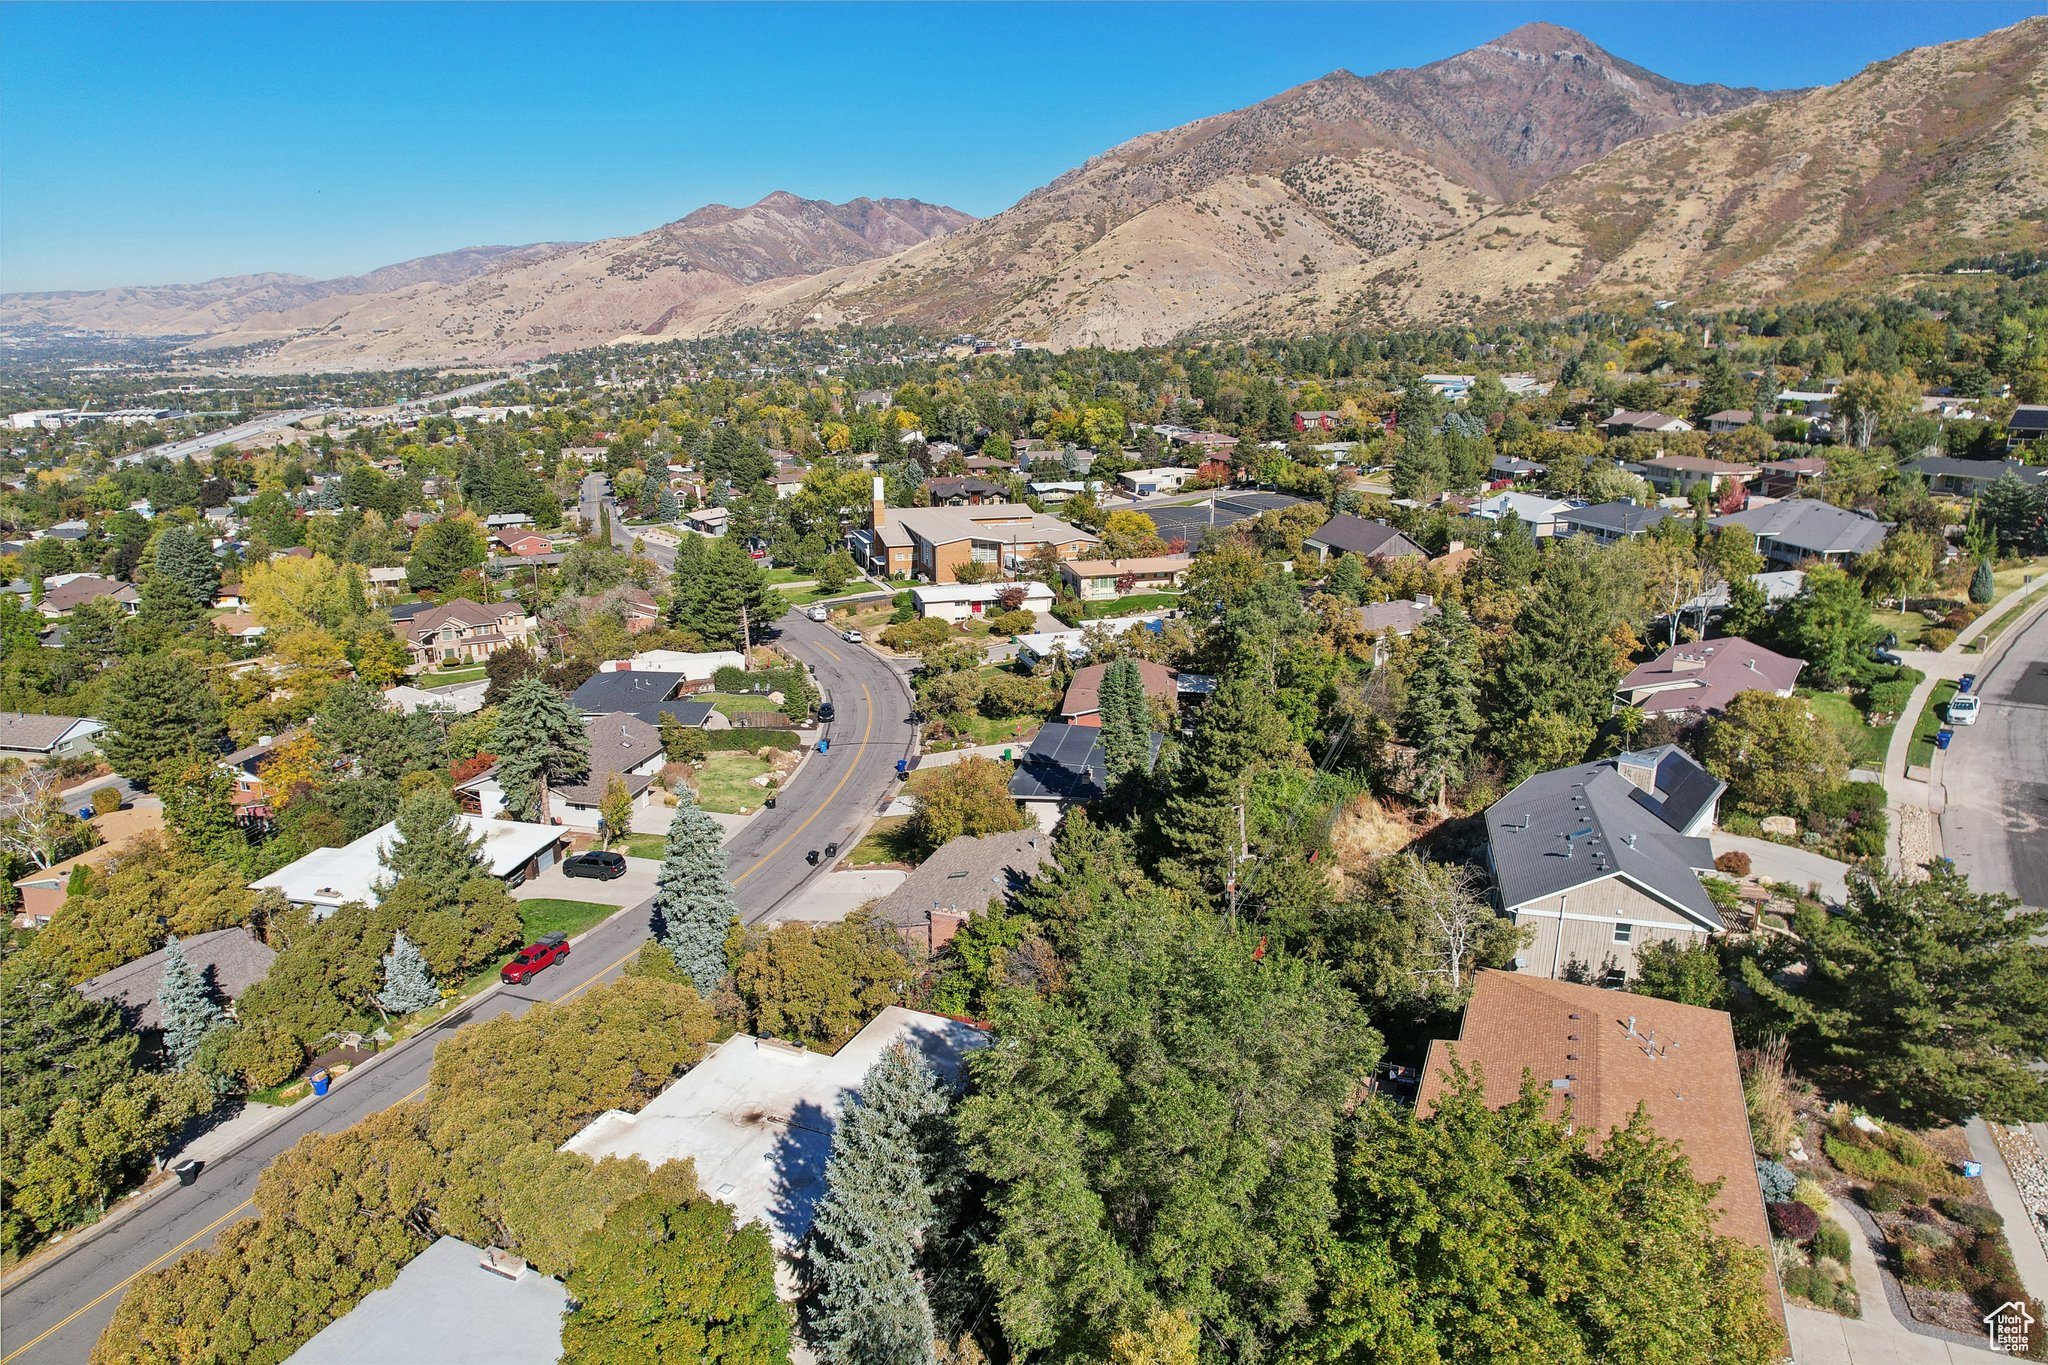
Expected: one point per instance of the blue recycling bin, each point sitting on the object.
(1965, 683)
(1972, 1170)
(321, 1081)
(825, 746)
(1942, 737)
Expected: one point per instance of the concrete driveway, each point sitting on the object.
(1797, 866)
(636, 886)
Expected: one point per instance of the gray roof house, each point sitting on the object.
(1064, 765)
(1357, 536)
(959, 880)
(1606, 522)
(1603, 858)
(37, 739)
(1946, 474)
(622, 746)
(631, 690)
(453, 1304)
(229, 960)
(1798, 529)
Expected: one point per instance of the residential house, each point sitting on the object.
(1968, 478)
(697, 666)
(1051, 492)
(1604, 858)
(1603, 1056)
(455, 699)
(960, 880)
(1083, 703)
(499, 522)
(65, 530)
(45, 890)
(245, 766)
(963, 491)
(756, 1118)
(1063, 767)
(1102, 580)
(957, 602)
(707, 521)
(932, 543)
(2028, 424)
(1701, 678)
(1318, 421)
(873, 398)
(240, 626)
(47, 739)
(1346, 534)
(1382, 621)
(453, 1304)
(1812, 405)
(463, 632)
(1796, 530)
(1534, 511)
(643, 613)
(630, 690)
(523, 544)
(1675, 475)
(622, 746)
(66, 593)
(229, 961)
(328, 878)
(1509, 468)
(1455, 387)
(1607, 522)
(1146, 483)
(1622, 422)
(1073, 644)
(1784, 478)
(1729, 420)
(387, 580)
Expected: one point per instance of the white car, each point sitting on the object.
(851, 637)
(1962, 710)
(817, 613)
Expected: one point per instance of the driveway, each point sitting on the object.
(636, 886)
(1779, 863)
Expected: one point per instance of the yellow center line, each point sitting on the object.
(829, 650)
(867, 731)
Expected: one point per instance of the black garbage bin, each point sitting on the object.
(769, 803)
(187, 1171)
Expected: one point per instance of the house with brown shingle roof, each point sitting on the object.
(61, 599)
(44, 891)
(621, 746)
(1083, 704)
(1601, 1054)
(463, 632)
(229, 961)
(1099, 580)
(1701, 678)
(960, 880)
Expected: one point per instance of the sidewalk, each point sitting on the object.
(2022, 1233)
(1879, 1337)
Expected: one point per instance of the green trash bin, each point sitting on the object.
(1006, 755)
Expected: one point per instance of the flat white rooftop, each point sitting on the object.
(331, 877)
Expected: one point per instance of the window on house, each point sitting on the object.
(1624, 932)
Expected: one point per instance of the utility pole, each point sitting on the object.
(1237, 855)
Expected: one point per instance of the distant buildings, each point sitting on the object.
(1791, 532)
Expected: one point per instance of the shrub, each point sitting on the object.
(903, 608)
(1734, 862)
(1975, 1217)
(1777, 1183)
(1894, 1157)
(1805, 1282)
(1810, 1193)
(1866, 840)
(1884, 1199)
(747, 741)
(912, 636)
(1012, 622)
(1831, 1243)
(1888, 698)
(1795, 1222)
(106, 801)
(1938, 639)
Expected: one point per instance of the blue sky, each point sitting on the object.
(148, 144)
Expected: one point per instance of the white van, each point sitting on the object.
(817, 613)
(1962, 710)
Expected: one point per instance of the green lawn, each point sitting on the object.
(724, 783)
(738, 703)
(1137, 601)
(653, 846)
(451, 677)
(1908, 625)
(985, 730)
(887, 841)
(1866, 743)
(2013, 575)
(1922, 752)
(545, 915)
(1998, 626)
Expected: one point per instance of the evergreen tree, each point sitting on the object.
(1347, 578)
(185, 564)
(1557, 676)
(666, 509)
(694, 908)
(885, 1180)
(443, 552)
(1442, 715)
(541, 740)
(712, 586)
(156, 708)
(1748, 610)
(1239, 733)
(408, 985)
(433, 848)
(1126, 723)
(1982, 586)
(189, 1009)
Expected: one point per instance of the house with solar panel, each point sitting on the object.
(1063, 767)
(1595, 861)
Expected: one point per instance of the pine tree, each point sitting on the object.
(1982, 586)
(540, 741)
(1239, 733)
(1442, 716)
(408, 985)
(432, 847)
(1126, 723)
(1347, 578)
(189, 1009)
(666, 508)
(722, 580)
(884, 1185)
(156, 707)
(185, 562)
(694, 908)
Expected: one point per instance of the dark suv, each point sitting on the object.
(825, 711)
(603, 866)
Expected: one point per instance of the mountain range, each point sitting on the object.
(1534, 173)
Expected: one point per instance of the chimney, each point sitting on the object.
(880, 497)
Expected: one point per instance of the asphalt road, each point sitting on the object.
(202, 445)
(1995, 774)
(54, 1316)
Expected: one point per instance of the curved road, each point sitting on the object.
(55, 1314)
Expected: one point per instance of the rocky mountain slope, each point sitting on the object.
(1174, 229)
(1936, 154)
(190, 310)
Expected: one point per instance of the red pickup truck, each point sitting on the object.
(535, 958)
